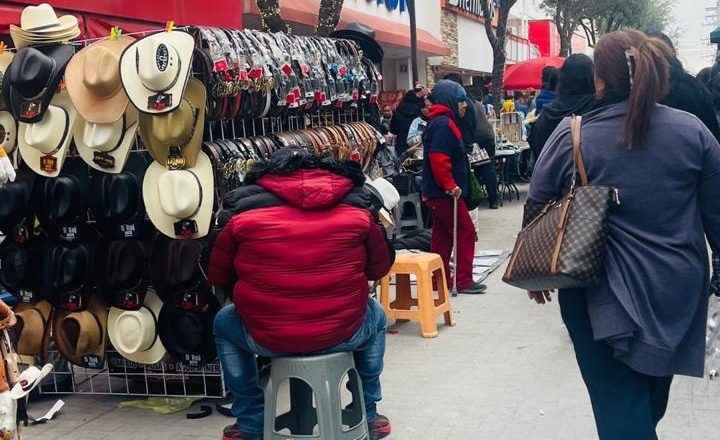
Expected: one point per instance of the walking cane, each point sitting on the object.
(455, 253)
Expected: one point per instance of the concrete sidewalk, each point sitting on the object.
(505, 372)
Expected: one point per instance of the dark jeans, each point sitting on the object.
(627, 405)
(487, 175)
(237, 351)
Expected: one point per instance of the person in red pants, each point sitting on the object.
(445, 176)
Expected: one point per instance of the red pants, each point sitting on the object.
(442, 238)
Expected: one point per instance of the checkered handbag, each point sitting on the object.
(562, 244)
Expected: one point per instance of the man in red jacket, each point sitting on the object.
(298, 248)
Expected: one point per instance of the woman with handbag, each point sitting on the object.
(645, 320)
(446, 177)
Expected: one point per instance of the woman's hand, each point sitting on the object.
(455, 192)
(540, 297)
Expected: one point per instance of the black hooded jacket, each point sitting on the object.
(404, 115)
(555, 112)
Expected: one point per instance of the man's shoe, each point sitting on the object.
(493, 206)
(233, 432)
(473, 289)
(379, 427)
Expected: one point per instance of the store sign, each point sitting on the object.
(393, 5)
(472, 6)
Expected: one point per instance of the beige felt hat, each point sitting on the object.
(6, 58)
(8, 131)
(80, 334)
(44, 145)
(33, 322)
(155, 70)
(180, 202)
(92, 78)
(134, 333)
(106, 147)
(182, 128)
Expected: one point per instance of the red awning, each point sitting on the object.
(218, 13)
(528, 74)
(386, 31)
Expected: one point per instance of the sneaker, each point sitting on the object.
(379, 427)
(473, 289)
(493, 206)
(233, 432)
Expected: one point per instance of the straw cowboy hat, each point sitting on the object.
(8, 131)
(106, 146)
(155, 70)
(32, 79)
(28, 380)
(92, 78)
(40, 24)
(134, 333)
(79, 335)
(44, 145)
(32, 324)
(6, 58)
(180, 202)
(174, 139)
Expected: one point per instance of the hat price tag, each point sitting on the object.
(27, 296)
(73, 301)
(69, 232)
(30, 109)
(91, 361)
(48, 164)
(185, 228)
(103, 159)
(129, 300)
(194, 360)
(175, 160)
(129, 230)
(160, 101)
(189, 301)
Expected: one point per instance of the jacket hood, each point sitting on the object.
(570, 105)
(307, 182)
(448, 93)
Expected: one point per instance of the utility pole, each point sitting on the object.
(413, 40)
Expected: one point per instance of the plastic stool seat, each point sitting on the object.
(321, 376)
(425, 308)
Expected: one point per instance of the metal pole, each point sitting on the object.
(413, 41)
(455, 252)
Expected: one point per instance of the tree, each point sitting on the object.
(497, 38)
(567, 15)
(328, 17)
(604, 16)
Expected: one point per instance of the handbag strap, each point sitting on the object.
(575, 130)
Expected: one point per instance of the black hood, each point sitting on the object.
(570, 105)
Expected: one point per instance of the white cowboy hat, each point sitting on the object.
(28, 380)
(180, 202)
(42, 19)
(44, 145)
(8, 131)
(106, 147)
(134, 334)
(389, 196)
(155, 70)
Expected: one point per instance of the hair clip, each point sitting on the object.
(631, 63)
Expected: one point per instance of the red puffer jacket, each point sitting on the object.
(299, 256)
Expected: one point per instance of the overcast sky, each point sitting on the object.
(689, 19)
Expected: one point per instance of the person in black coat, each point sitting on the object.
(688, 93)
(576, 96)
(405, 113)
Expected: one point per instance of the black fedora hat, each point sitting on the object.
(364, 36)
(18, 263)
(122, 275)
(15, 204)
(177, 271)
(32, 79)
(116, 199)
(66, 276)
(188, 335)
(61, 202)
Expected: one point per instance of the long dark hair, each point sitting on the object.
(635, 68)
(576, 76)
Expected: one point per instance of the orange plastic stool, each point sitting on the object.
(425, 308)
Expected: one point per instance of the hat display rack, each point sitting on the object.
(123, 147)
